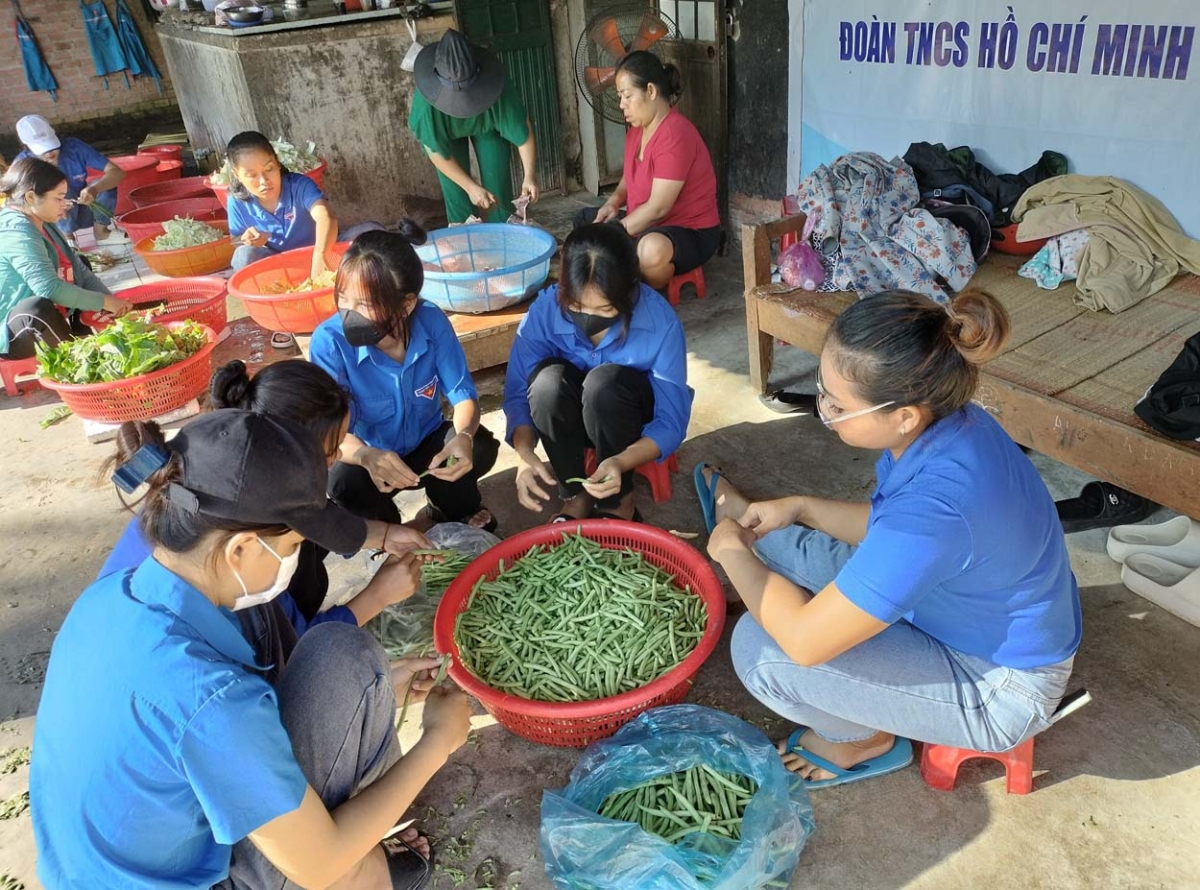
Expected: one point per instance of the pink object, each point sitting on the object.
(656, 473)
(696, 277)
(169, 169)
(12, 368)
(139, 170)
(940, 763)
(800, 265)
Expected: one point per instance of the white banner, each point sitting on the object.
(1113, 85)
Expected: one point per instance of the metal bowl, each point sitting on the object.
(246, 15)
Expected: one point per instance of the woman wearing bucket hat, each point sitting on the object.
(464, 99)
(176, 764)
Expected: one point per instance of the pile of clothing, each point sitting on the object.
(873, 235)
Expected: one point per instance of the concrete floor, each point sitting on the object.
(1118, 796)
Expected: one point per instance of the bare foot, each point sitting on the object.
(731, 503)
(480, 519)
(416, 840)
(843, 754)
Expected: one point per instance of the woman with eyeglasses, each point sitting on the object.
(942, 610)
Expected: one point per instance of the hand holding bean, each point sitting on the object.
(606, 481)
(531, 478)
(252, 237)
(446, 721)
(414, 677)
(400, 539)
(729, 538)
(387, 470)
(762, 517)
(397, 579)
(461, 449)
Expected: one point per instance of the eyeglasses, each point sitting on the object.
(825, 409)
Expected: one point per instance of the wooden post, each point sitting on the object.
(756, 265)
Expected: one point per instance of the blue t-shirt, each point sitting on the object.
(654, 344)
(132, 549)
(964, 542)
(396, 406)
(291, 225)
(156, 748)
(74, 159)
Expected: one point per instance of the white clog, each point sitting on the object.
(1174, 587)
(1176, 540)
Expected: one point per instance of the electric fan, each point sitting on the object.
(607, 39)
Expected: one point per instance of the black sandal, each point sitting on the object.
(408, 869)
(1102, 505)
(783, 402)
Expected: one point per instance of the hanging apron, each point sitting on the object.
(37, 73)
(135, 50)
(107, 53)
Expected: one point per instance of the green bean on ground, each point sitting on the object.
(677, 804)
(577, 622)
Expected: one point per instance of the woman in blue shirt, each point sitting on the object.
(944, 609)
(398, 357)
(600, 362)
(163, 758)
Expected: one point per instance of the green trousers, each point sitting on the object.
(494, 155)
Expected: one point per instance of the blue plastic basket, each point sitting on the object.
(485, 267)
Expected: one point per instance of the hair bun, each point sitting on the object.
(411, 231)
(978, 326)
(230, 386)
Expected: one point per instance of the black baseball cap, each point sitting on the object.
(457, 78)
(259, 468)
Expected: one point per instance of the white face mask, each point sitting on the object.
(287, 568)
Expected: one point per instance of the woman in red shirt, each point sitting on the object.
(669, 189)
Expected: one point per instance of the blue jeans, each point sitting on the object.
(901, 681)
(245, 255)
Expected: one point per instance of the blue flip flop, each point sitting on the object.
(900, 756)
(707, 490)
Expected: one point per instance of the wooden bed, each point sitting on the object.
(1066, 383)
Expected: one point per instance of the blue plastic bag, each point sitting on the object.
(584, 851)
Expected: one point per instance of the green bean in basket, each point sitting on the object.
(577, 622)
(675, 805)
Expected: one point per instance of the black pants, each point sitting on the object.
(458, 501)
(31, 320)
(605, 408)
(693, 247)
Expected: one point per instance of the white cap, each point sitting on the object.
(37, 134)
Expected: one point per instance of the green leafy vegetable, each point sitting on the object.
(183, 232)
(56, 415)
(129, 347)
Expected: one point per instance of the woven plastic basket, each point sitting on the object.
(200, 299)
(172, 190)
(578, 724)
(140, 398)
(290, 313)
(485, 267)
(203, 259)
(146, 222)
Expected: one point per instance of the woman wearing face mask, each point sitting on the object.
(304, 393)
(668, 189)
(600, 362)
(39, 271)
(952, 581)
(398, 356)
(176, 764)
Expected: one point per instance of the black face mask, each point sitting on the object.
(359, 330)
(591, 325)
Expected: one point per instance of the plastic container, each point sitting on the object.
(204, 259)
(143, 397)
(200, 299)
(485, 267)
(286, 313)
(172, 190)
(163, 152)
(317, 175)
(139, 170)
(1004, 239)
(169, 169)
(146, 222)
(577, 724)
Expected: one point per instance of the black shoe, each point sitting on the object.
(408, 869)
(1102, 505)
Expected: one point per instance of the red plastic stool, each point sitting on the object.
(11, 369)
(657, 474)
(940, 763)
(696, 277)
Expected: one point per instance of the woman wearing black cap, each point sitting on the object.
(464, 98)
(163, 757)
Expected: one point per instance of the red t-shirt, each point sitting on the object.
(65, 270)
(676, 153)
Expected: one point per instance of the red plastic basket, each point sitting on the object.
(164, 152)
(288, 313)
(200, 299)
(578, 724)
(139, 170)
(204, 259)
(140, 398)
(172, 190)
(147, 222)
(169, 170)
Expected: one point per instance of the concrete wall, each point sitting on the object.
(758, 113)
(339, 86)
(58, 25)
